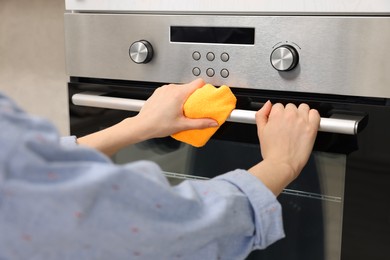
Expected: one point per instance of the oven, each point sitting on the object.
(339, 207)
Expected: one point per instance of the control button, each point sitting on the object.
(225, 57)
(196, 71)
(196, 55)
(141, 51)
(210, 72)
(224, 73)
(210, 56)
(284, 58)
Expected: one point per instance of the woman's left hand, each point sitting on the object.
(162, 114)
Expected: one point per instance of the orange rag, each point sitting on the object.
(206, 102)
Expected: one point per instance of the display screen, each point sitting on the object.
(222, 35)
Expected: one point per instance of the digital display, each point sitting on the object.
(221, 35)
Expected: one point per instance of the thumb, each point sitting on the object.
(194, 85)
(262, 115)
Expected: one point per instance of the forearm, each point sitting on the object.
(273, 175)
(287, 136)
(112, 139)
(161, 115)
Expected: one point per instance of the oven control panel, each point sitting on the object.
(211, 57)
(311, 54)
(282, 58)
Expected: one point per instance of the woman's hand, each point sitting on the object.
(287, 133)
(162, 114)
(287, 136)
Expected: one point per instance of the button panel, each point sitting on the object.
(210, 57)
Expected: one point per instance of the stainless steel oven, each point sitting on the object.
(339, 207)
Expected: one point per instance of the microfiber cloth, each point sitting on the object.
(206, 102)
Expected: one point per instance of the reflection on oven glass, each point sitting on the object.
(312, 204)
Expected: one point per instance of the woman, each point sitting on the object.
(71, 202)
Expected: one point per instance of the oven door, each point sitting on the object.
(312, 204)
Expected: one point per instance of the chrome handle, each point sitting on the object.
(344, 125)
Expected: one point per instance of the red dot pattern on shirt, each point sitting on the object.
(7, 193)
(115, 187)
(78, 214)
(134, 230)
(26, 237)
(53, 176)
(271, 210)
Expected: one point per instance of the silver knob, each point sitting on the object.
(141, 52)
(284, 58)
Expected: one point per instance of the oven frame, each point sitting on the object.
(358, 85)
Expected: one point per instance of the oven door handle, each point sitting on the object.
(340, 124)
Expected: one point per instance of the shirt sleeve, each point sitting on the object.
(68, 140)
(70, 202)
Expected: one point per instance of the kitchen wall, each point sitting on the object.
(32, 61)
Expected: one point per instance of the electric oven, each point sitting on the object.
(339, 207)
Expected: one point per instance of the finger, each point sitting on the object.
(304, 108)
(314, 118)
(291, 106)
(193, 85)
(263, 114)
(200, 123)
(276, 109)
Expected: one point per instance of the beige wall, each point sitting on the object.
(32, 62)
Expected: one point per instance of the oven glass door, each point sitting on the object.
(312, 204)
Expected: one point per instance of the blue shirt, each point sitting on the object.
(69, 202)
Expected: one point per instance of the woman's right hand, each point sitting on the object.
(287, 135)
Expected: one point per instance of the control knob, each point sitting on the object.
(284, 58)
(141, 51)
